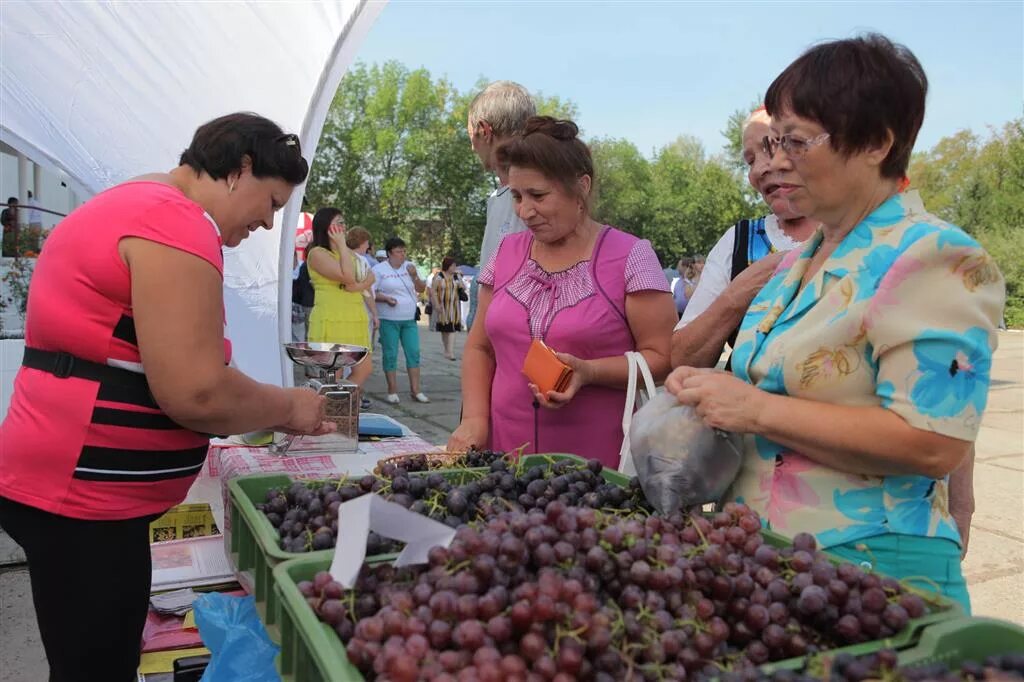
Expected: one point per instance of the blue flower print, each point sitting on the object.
(911, 510)
(863, 506)
(889, 213)
(860, 237)
(954, 372)
(876, 263)
(884, 391)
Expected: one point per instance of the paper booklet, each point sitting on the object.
(190, 563)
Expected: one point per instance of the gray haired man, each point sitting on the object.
(497, 114)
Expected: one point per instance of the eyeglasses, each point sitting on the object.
(795, 147)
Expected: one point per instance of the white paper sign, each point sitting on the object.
(356, 518)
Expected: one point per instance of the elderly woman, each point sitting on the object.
(125, 373)
(585, 289)
(862, 368)
(741, 262)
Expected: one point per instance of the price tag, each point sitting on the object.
(356, 518)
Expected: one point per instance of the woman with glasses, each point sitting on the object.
(341, 282)
(740, 263)
(124, 376)
(862, 368)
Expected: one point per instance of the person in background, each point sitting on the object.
(381, 256)
(685, 283)
(728, 283)
(496, 115)
(124, 376)
(359, 241)
(35, 216)
(430, 305)
(447, 292)
(11, 228)
(398, 287)
(339, 312)
(588, 291)
(883, 322)
(303, 298)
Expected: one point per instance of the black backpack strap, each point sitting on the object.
(740, 248)
(740, 262)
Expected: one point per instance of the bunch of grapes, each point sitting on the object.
(306, 513)
(884, 665)
(481, 458)
(575, 593)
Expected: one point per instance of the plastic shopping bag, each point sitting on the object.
(680, 461)
(239, 646)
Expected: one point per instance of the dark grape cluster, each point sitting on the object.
(562, 593)
(885, 665)
(481, 458)
(306, 513)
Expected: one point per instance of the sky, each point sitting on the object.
(651, 71)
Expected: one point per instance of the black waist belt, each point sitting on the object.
(64, 365)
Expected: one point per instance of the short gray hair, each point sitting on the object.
(505, 105)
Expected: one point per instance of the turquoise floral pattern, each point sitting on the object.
(903, 316)
(954, 376)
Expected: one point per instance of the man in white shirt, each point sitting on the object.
(497, 114)
(740, 263)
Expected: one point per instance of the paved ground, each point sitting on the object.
(994, 566)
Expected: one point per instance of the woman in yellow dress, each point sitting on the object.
(339, 314)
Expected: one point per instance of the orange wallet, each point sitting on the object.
(545, 370)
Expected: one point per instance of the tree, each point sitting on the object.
(979, 185)
(623, 186)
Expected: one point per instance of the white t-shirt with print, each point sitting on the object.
(718, 268)
(397, 284)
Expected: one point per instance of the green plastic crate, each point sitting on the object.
(964, 639)
(252, 543)
(312, 652)
(943, 610)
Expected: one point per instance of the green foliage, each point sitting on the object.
(395, 157)
(979, 185)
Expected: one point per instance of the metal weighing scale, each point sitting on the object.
(342, 398)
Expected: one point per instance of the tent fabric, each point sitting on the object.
(105, 91)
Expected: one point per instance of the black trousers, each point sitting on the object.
(90, 587)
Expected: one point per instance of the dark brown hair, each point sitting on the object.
(446, 263)
(552, 147)
(321, 224)
(857, 90)
(218, 147)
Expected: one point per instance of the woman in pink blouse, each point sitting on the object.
(587, 290)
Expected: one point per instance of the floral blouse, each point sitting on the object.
(903, 315)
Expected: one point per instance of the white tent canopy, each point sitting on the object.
(105, 91)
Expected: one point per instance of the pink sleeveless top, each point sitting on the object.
(581, 311)
(101, 450)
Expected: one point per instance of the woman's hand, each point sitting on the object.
(376, 323)
(719, 398)
(336, 234)
(411, 269)
(307, 414)
(580, 377)
(472, 432)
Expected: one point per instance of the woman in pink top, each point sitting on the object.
(587, 290)
(125, 372)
